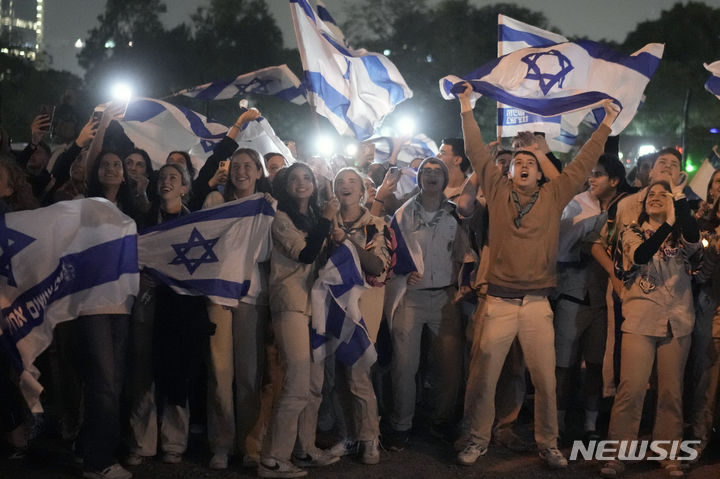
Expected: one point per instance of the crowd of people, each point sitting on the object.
(501, 261)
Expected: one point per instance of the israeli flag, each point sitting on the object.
(337, 324)
(408, 257)
(354, 89)
(159, 127)
(565, 78)
(212, 252)
(713, 83)
(278, 81)
(58, 263)
(514, 35)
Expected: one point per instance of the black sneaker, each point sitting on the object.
(396, 440)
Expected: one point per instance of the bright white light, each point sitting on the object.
(646, 150)
(351, 149)
(620, 155)
(429, 58)
(110, 44)
(121, 91)
(79, 43)
(405, 126)
(130, 43)
(325, 145)
(705, 243)
(387, 52)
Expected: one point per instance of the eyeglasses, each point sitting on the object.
(597, 174)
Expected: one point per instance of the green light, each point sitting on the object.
(689, 167)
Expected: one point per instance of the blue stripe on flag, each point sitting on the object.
(548, 107)
(324, 15)
(349, 352)
(644, 63)
(343, 260)
(306, 8)
(214, 90)
(404, 263)
(509, 34)
(713, 85)
(75, 272)
(336, 102)
(379, 75)
(256, 207)
(143, 110)
(206, 287)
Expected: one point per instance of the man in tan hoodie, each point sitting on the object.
(523, 229)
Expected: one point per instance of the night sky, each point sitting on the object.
(68, 20)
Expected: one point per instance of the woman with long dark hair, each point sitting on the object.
(657, 305)
(299, 233)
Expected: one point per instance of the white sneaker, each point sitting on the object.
(116, 471)
(470, 454)
(274, 468)
(345, 447)
(370, 451)
(316, 458)
(133, 459)
(218, 462)
(553, 458)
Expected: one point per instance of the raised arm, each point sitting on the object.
(574, 175)
(476, 150)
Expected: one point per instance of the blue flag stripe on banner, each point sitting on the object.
(206, 287)
(214, 90)
(643, 63)
(509, 34)
(713, 85)
(240, 210)
(335, 102)
(404, 263)
(30, 305)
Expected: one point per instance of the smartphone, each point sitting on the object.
(97, 114)
(224, 166)
(48, 110)
(539, 133)
(394, 170)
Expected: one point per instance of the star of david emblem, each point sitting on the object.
(556, 66)
(196, 240)
(11, 243)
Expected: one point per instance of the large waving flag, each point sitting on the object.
(277, 81)
(514, 35)
(354, 89)
(159, 127)
(713, 83)
(58, 263)
(212, 252)
(337, 324)
(565, 78)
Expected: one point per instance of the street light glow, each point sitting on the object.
(324, 145)
(121, 91)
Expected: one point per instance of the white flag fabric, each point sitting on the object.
(353, 89)
(713, 83)
(419, 146)
(159, 127)
(566, 78)
(212, 252)
(277, 81)
(337, 324)
(58, 263)
(514, 35)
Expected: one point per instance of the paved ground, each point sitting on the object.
(425, 457)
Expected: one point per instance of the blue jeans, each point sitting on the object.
(102, 341)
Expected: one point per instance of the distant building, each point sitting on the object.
(21, 27)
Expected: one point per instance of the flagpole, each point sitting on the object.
(686, 111)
